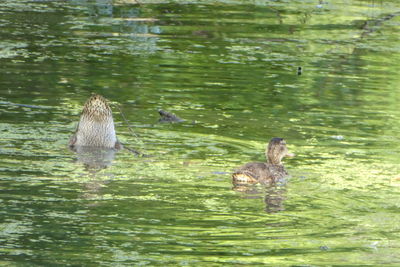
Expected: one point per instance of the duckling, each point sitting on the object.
(261, 172)
(96, 126)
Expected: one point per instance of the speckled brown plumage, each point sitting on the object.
(96, 125)
(264, 172)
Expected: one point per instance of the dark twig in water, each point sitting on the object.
(134, 151)
(168, 117)
(370, 26)
(22, 105)
(128, 124)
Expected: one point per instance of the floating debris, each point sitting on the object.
(168, 117)
(299, 70)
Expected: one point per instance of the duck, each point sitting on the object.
(96, 126)
(265, 172)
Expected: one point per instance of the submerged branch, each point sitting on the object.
(22, 105)
(370, 26)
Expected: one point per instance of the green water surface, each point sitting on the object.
(229, 68)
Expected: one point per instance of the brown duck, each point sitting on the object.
(96, 126)
(265, 172)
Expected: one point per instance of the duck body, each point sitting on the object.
(259, 172)
(96, 126)
(265, 172)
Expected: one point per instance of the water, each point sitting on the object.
(229, 68)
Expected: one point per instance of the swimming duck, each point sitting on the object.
(265, 172)
(96, 126)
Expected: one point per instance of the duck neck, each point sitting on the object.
(274, 160)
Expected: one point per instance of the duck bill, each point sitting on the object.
(290, 155)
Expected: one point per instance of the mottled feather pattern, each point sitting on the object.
(97, 109)
(96, 125)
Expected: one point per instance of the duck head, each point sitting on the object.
(277, 150)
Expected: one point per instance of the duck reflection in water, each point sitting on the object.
(274, 195)
(95, 159)
(271, 174)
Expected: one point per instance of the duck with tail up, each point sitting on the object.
(96, 126)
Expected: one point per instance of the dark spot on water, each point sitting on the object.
(299, 70)
(324, 248)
